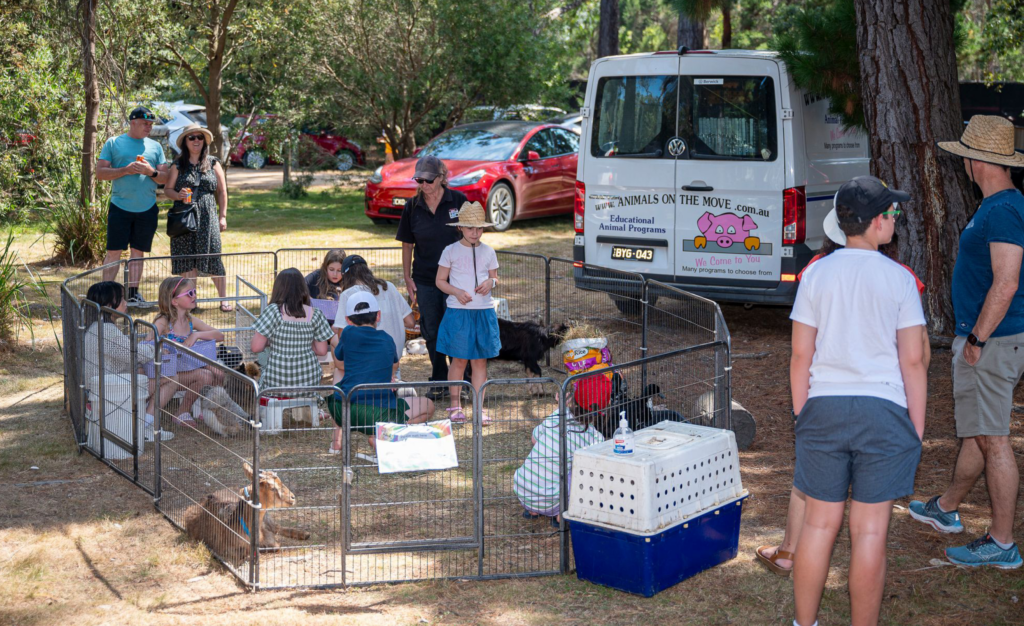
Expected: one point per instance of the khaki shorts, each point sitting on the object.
(983, 393)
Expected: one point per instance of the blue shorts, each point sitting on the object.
(862, 442)
(469, 334)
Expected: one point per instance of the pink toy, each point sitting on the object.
(725, 230)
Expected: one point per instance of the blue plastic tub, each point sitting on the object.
(647, 564)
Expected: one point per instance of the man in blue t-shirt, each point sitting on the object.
(366, 355)
(136, 165)
(988, 352)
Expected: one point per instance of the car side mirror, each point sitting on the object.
(528, 156)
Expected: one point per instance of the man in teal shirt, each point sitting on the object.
(132, 217)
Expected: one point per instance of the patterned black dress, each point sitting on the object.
(206, 240)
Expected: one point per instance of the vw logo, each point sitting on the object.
(676, 146)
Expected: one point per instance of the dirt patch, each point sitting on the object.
(272, 176)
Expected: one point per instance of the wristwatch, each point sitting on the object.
(974, 341)
(154, 174)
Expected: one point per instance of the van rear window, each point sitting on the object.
(720, 118)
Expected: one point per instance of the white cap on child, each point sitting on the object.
(361, 302)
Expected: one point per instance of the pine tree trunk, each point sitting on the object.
(690, 33)
(87, 189)
(608, 31)
(726, 26)
(911, 100)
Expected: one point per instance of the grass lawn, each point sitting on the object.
(81, 545)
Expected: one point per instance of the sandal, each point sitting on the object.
(456, 415)
(769, 561)
(227, 307)
(485, 419)
(333, 450)
(185, 419)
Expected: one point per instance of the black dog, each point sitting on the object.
(527, 342)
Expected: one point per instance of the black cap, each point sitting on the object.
(868, 197)
(141, 113)
(351, 260)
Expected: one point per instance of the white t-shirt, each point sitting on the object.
(459, 258)
(393, 309)
(857, 300)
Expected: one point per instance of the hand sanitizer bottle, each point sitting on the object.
(623, 436)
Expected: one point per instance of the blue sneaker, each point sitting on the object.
(930, 513)
(984, 551)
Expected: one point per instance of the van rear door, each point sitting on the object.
(730, 172)
(630, 209)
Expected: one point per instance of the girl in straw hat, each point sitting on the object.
(467, 272)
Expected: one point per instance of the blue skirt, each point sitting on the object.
(469, 334)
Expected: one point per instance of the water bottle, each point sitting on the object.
(623, 436)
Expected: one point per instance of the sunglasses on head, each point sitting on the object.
(425, 181)
(190, 293)
(194, 138)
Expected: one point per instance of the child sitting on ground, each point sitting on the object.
(176, 301)
(536, 482)
(395, 314)
(294, 334)
(367, 355)
(325, 283)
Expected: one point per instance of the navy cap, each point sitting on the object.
(141, 113)
(351, 260)
(868, 197)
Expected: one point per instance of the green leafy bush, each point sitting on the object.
(12, 296)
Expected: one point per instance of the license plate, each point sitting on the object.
(630, 253)
(398, 202)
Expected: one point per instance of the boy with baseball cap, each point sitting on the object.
(366, 355)
(859, 387)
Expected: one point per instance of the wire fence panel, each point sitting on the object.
(210, 480)
(74, 387)
(517, 469)
(418, 524)
(607, 300)
(302, 537)
(284, 486)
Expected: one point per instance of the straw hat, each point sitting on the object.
(989, 139)
(471, 215)
(191, 128)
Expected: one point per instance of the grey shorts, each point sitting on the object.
(983, 393)
(862, 442)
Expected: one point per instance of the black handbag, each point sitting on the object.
(182, 221)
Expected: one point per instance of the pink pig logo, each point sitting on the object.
(725, 230)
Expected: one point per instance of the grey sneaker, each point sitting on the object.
(930, 513)
(135, 300)
(984, 552)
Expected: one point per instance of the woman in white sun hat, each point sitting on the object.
(467, 271)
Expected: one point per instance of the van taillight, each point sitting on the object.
(577, 206)
(794, 216)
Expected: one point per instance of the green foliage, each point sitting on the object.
(819, 48)
(80, 234)
(408, 65)
(12, 297)
(993, 42)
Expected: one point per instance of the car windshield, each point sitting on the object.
(472, 145)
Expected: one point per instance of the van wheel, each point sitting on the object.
(631, 306)
(501, 206)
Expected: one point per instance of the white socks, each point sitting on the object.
(796, 624)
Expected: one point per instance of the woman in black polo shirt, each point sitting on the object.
(424, 233)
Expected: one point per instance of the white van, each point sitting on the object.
(708, 170)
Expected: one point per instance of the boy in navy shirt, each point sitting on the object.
(366, 355)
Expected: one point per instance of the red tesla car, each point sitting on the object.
(517, 170)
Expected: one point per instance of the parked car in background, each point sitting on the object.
(250, 145)
(177, 115)
(524, 112)
(517, 170)
(569, 120)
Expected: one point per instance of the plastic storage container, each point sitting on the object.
(117, 401)
(644, 522)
